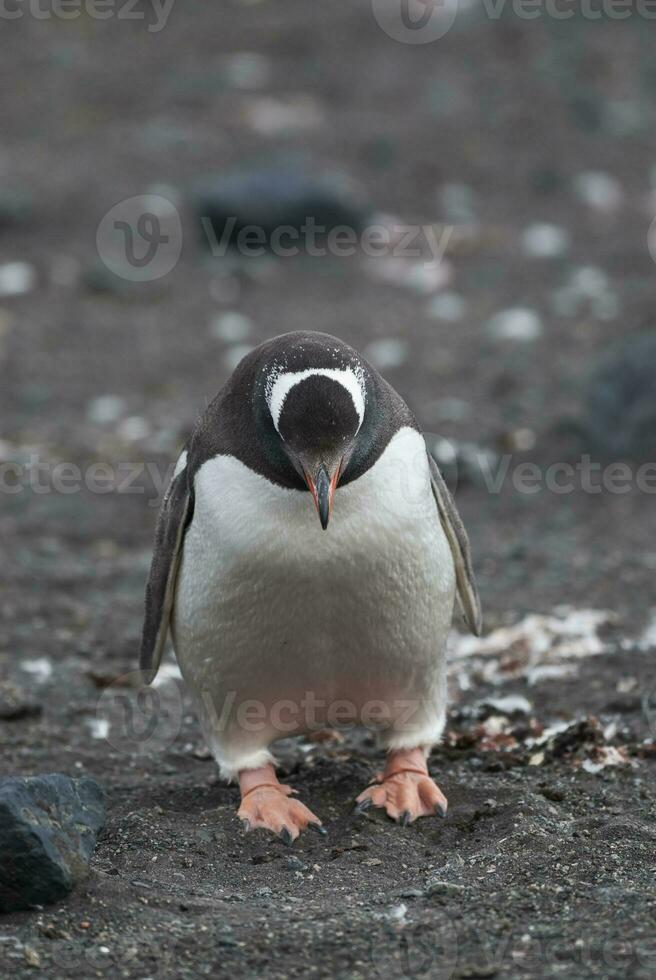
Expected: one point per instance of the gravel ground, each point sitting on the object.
(545, 864)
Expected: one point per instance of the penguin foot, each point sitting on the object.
(404, 789)
(266, 805)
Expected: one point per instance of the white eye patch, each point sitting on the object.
(284, 383)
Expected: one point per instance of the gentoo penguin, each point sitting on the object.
(307, 558)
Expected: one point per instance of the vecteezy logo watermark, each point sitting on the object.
(415, 21)
(140, 239)
(415, 951)
(155, 14)
(137, 719)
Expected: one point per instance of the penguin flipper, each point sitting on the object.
(459, 544)
(172, 522)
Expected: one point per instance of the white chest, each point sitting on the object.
(267, 600)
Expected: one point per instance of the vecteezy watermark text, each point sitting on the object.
(585, 476)
(140, 239)
(155, 14)
(41, 476)
(425, 21)
(397, 240)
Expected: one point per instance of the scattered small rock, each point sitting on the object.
(16, 704)
(48, 828)
(386, 354)
(599, 190)
(270, 116)
(16, 279)
(448, 306)
(517, 324)
(545, 241)
(106, 409)
(409, 893)
(31, 956)
(295, 864)
(511, 704)
(231, 326)
(553, 793)
(133, 428)
(439, 887)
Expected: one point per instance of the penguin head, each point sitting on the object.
(317, 414)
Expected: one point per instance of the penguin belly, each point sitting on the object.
(280, 627)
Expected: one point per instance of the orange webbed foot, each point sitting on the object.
(266, 804)
(404, 789)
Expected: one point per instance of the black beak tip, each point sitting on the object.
(323, 496)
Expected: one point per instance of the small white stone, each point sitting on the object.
(134, 428)
(448, 306)
(427, 277)
(99, 727)
(519, 323)
(270, 117)
(40, 668)
(231, 327)
(599, 190)
(235, 354)
(445, 452)
(509, 704)
(384, 354)
(105, 409)
(545, 241)
(16, 278)
(589, 281)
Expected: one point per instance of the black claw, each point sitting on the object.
(363, 806)
(318, 828)
(404, 819)
(286, 836)
(246, 825)
(440, 810)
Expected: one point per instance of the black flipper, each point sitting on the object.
(174, 516)
(459, 543)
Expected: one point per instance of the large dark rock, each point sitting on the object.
(267, 200)
(48, 828)
(621, 400)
